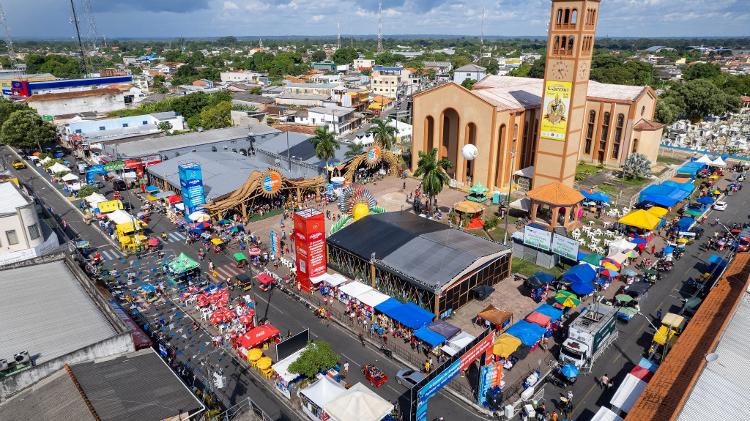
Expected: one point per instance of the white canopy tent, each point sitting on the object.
(628, 392)
(620, 246)
(523, 204)
(372, 298)
(331, 279)
(323, 391)
(45, 160)
(619, 257)
(703, 160)
(457, 343)
(358, 403)
(354, 289)
(58, 168)
(718, 162)
(70, 177)
(605, 414)
(199, 216)
(95, 198)
(120, 217)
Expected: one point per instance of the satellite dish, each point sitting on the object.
(712, 357)
(469, 152)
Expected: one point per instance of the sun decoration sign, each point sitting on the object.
(271, 183)
(373, 156)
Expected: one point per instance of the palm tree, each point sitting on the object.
(433, 173)
(384, 134)
(354, 150)
(325, 144)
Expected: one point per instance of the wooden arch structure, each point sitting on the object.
(265, 184)
(371, 158)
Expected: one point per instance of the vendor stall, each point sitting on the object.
(411, 315)
(429, 337)
(505, 345)
(283, 379)
(349, 292)
(259, 336)
(370, 299)
(457, 343)
(444, 329)
(182, 268)
(605, 414)
(317, 395)
(499, 319)
(528, 333)
(641, 219)
(358, 403)
(631, 388)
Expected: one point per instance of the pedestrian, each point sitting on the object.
(658, 315)
(653, 248)
(604, 381)
(346, 368)
(570, 398)
(361, 338)
(288, 333)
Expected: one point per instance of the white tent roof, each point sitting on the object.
(605, 414)
(120, 217)
(358, 403)
(58, 168)
(718, 162)
(70, 177)
(95, 198)
(372, 297)
(619, 257)
(332, 279)
(282, 367)
(523, 204)
(527, 172)
(457, 343)
(704, 160)
(45, 160)
(354, 289)
(323, 391)
(620, 245)
(628, 392)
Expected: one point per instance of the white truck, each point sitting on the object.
(589, 335)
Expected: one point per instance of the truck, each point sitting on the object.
(589, 335)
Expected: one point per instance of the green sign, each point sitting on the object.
(536, 237)
(114, 166)
(47, 117)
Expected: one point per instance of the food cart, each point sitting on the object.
(265, 280)
(374, 375)
(240, 259)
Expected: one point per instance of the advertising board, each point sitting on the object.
(536, 237)
(309, 246)
(565, 247)
(556, 110)
(191, 184)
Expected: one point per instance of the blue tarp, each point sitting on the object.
(684, 223)
(428, 336)
(528, 333)
(580, 273)
(387, 306)
(595, 196)
(544, 277)
(671, 192)
(550, 311)
(411, 315)
(582, 287)
(685, 187)
(691, 168)
(706, 200)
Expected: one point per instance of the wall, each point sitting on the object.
(147, 121)
(19, 221)
(102, 104)
(49, 245)
(459, 77)
(648, 143)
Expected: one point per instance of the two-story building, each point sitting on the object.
(385, 81)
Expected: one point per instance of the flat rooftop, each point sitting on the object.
(11, 198)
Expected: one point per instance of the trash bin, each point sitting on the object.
(496, 197)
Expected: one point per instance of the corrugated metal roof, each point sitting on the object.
(46, 312)
(53, 398)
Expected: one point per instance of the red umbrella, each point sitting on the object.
(202, 300)
(253, 251)
(222, 315)
(153, 241)
(247, 319)
(264, 278)
(174, 199)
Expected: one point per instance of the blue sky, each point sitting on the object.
(200, 18)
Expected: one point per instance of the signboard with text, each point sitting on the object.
(309, 245)
(191, 184)
(109, 206)
(556, 110)
(536, 237)
(565, 247)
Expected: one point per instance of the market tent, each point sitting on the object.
(505, 345)
(152, 188)
(550, 311)
(95, 198)
(605, 414)
(70, 177)
(592, 259)
(354, 289)
(444, 328)
(619, 258)
(411, 315)
(685, 223)
(174, 199)
(718, 162)
(687, 188)
(332, 279)
(457, 343)
(388, 306)
(372, 298)
(640, 219)
(703, 160)
(264, 278)
(182, 264)
(358, 403)
(538, 319)
(706, 200)
(281, 368)
(580, 273)
(658, 211)
(58, 168)
(257, 336)
(120, 217)
(495, 316)
(595, 196)
(323, 391)
(528, 333)
(663, 334)
(628, 392)
(429, 336)
(582, 287)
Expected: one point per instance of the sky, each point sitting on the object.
(208, 18)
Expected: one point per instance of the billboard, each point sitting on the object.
(556, 110)
(565, 247)
(191, 184)
(536, 237)
(293, 344)
(489, 376)
(309, 246)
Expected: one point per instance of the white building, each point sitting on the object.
(338, 119)
(363, 64)
(101, 100)
(243, 76)
(85, 131)
(469, 71)
(385, 81)
(21, 236)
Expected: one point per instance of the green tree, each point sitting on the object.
(86, 190)
(325, 144)
(185, 74)
(8, 107)
(702, 98)
(636, 166)
(164, 126)
(217, 116)
(537, 68)
(318, 56)
(384, 134)
(354, 150)
(25, 129)
(344, 55)
(468, 83)
(701, 71)
(669, 109)
(433, 173)
(317, 357)
(490, 64)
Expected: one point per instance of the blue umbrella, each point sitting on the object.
(151, 188)
(148, 288)
(582, 288)
(569, 370)
(629, 272)
(706, 200)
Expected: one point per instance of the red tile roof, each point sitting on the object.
(647, 125)
(556, 193)
(670, 387)
(73, 94)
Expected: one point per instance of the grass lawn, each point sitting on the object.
(526, 268)
(584, 170)
(669, 160)
(259, 217)
(619, 184)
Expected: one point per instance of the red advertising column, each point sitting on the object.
(310, 246)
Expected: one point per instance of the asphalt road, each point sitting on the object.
(284, 312)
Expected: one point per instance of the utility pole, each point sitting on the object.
(80, 43)
(338, 35)
(8, 39)
(380, 26)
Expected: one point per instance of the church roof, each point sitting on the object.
(556, 193)
(647, 125)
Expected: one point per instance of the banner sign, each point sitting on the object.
(109, 206)
(556, 110)
(309, 246)
(274, 248)
(191, 184)
(565, 247)
(114, 166)
(489, 377)
(536, 237)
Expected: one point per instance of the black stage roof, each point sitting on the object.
(430, 252)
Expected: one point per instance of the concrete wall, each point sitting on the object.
(20, 223)
(102, 104)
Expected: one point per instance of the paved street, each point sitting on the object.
(284, 312)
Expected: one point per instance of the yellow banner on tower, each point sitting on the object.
(556, 110)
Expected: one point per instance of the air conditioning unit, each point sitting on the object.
(4, 365)
(22, 357)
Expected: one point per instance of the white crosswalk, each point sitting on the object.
(110, 254)
(228, 271)
(175, 237)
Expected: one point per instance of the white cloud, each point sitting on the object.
(316, 18)
(230, 5)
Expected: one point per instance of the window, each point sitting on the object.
(571, 44)
(635, 145)
(618, 136)
(590, 131)
(33, 232)
(102, 128)
(124, 124)
(605, 132)
(12, 237)
(573, 16)
(145, 122)
(78, 131)
(566, 17)
(558, 21)
(643, 110)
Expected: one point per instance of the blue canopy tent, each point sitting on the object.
(550, 311)
(411, 315)
(662, 201)
(662, 195)
(706, 200)
(528, 333)
(429, 336)
(691, 168)
(684, 223)
(580, 273)
(387, 306)
(151, 188)
(687, 188)
(595, 196)
(546, 278)
(582, 287)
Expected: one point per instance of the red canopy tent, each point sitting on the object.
(222, 315)
(264, 278)
(258, 335)
(202, 300)
(247, 319)
(538, 318)
(174, 199)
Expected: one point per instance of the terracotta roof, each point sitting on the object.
(556, 193)
(670, 387)
(648, 125)
(73, 94)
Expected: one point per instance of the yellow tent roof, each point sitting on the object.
(674, 320)
(467, 206)
(660, 337)
(641, 219)
(658, 211)
(506, 345)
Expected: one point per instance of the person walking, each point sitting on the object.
(346, 368)
(604, 381)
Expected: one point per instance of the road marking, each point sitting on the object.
(174, 237)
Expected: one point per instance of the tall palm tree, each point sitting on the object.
(384, 134)
(433, 173)
(354, 150)
(325, 144)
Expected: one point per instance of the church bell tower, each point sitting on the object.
(570, 43)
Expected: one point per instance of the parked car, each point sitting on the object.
(18, 164)
(720, 205)
(408, 377)
(119, 185)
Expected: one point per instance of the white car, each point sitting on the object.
(720, 205)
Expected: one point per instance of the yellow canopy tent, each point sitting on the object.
(641, 219)
(658, 211)
(662, 335)
(506, 345)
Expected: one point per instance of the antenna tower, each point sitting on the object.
(481, 35)
(8, 39)
(380, 26)
(87, 12)
(338, 35)
(80, 42)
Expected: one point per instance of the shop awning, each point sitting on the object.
(605, 414)
(258, 335)
(528, 333)
(495, 316)
(550, 311)
(429, 336)
(538, 319)
(506, 345)
(411, 315)
(457, 343)
(640, 219)
(388, 306)
(444, 328)
(372, 298)
(354, 289)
